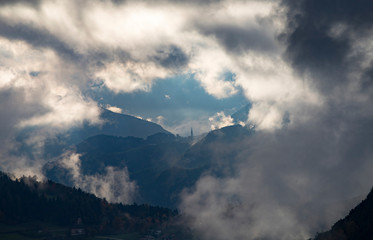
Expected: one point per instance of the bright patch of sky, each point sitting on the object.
(178, 100)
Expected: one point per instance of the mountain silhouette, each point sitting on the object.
(114, 124)
(357, 225)
(162, 165)
(117, 124)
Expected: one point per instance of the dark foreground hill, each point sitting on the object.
(358, 225)
(25, 202)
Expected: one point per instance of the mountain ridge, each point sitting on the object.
(162, 165)
(114, 124)
(357, 225)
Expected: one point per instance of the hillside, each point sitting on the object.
(114, 124)
(117, 124)
(162, 165)
(357, 225)
(33, 206)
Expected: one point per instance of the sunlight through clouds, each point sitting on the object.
(126, 46)
(304, 69)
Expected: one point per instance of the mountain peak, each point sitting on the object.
(118, 124)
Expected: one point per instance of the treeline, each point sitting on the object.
(25, 199)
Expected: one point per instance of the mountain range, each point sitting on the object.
(161, 164)
(114, 124)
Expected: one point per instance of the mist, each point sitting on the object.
(288, 183)
(114, 184)
(305, 67)
(298, 179)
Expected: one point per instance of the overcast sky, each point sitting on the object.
(305, 66)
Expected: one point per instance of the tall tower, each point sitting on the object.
(191, 133)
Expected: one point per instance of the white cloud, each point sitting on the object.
(114, 185)
(114, 109)
(56, 102)
(143, 25)
(209, 66)
(130, 77)
(19, 166)
(121, 45)
(40, 91)
(265, 116)
(65, 111)
(219, 120)
(160, 120)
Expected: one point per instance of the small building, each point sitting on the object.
(148, 237)
(78, 229)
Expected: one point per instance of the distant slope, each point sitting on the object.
(215, 155)
(218, 148)
(358, 225)
(162, 164)
(115, 124)
(145, 160)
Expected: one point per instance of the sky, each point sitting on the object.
(183, 64)
(173, 62)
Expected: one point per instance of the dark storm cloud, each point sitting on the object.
(367, 79)
(239, 39)
(172, 58)
(292, 182)
(10, 106)
(194, 2)
(39, 38)
(294, 179)
(312, 46)
(28, 2)
(36, 37)
(198, 2)
(13, 108)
